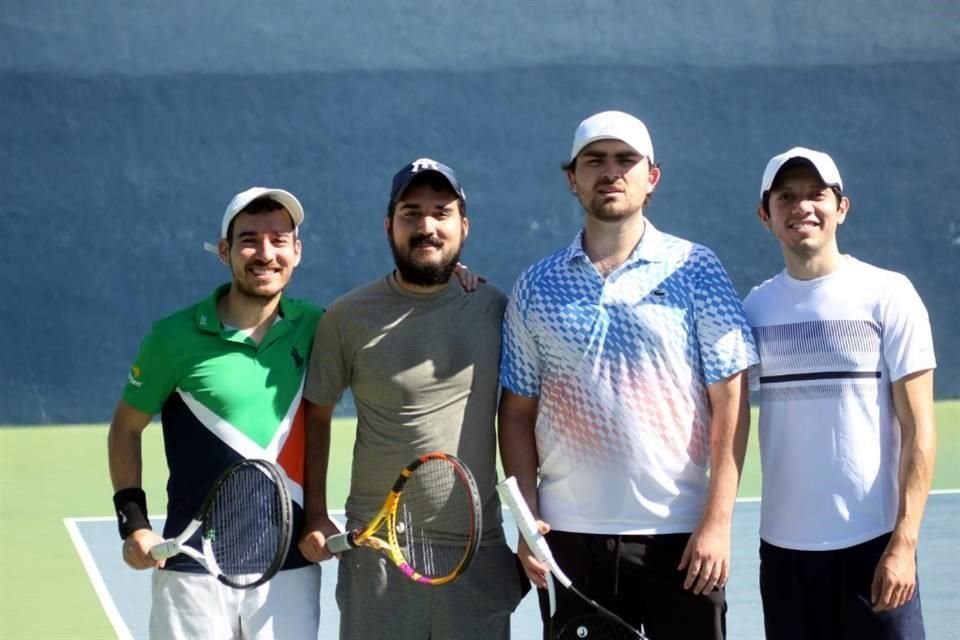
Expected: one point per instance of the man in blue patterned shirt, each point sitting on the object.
(624, 414)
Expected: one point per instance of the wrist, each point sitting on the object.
(130, 505)
(903, 538)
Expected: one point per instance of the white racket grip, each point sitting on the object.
(166, 549)
(340, 542)
(511, 496)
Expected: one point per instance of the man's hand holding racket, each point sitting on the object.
(313, 543)
(429, 525)
(136, 549)
(535, 569)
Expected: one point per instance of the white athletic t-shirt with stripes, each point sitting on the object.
(829, 437)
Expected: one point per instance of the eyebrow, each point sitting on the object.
(249, 233)
(407, 206)
(620, 155)
(786, 186)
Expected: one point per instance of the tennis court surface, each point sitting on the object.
(125, 594)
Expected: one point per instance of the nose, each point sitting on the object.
(427, 225)
(265, 250)
(803, 206)
(610, 171)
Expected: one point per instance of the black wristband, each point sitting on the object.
(131, 507)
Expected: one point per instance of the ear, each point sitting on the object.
(571, 181)
(223, 251)
(386, 226)
(297, 252)
(843, 209)
(465, 225)
(764, 217)
(653, 177)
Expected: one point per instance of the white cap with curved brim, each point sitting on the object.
(244, 198)
(823, 164)
(613, 125)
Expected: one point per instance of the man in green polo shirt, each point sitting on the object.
(226, 376)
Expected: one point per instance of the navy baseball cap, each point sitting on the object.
(405, 176)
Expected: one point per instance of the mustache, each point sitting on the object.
(429, 241)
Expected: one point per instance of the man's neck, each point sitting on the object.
(253, 315)
(417, 288)
(609, 244)
(810, 267)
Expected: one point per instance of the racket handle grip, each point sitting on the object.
(341, 542)
(164, 550)
(511, 496)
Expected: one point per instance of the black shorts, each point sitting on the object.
(810, 595)
(636, 577)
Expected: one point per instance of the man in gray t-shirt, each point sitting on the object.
(421, 357)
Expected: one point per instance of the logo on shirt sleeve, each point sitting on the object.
(134, 375)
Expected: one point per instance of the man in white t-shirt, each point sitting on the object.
(847, 436)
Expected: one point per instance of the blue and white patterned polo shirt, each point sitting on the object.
(621, 367)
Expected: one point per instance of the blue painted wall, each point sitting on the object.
(126, 127)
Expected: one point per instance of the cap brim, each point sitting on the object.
(289, 202)
(794, 162)
(402, 188)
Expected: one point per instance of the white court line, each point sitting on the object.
(103, 593)
(96, 578)
(339, 513)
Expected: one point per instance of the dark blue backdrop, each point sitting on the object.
(126, 127)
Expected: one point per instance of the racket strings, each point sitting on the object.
(435, 519)
(245, 525)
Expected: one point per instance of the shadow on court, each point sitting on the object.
(125, 594)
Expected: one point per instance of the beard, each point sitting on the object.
(251, 292)
(425, 273)
(600, 208)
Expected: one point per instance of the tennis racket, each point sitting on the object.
(595, 626)
(245, 526)
(430, 523)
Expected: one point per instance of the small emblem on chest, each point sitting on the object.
(297, 359)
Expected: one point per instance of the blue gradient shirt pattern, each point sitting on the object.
(621, 367)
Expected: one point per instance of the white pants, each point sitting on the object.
(190, 606)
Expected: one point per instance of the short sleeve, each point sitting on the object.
(907, 338)
(329, 371)
(725, 339)
(152, 377)
(520, 368)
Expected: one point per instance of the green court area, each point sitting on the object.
(50, 473)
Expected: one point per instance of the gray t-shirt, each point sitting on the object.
(423, 371)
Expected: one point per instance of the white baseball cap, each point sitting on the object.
(613, 125)
(244, 198)
(821, 162)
